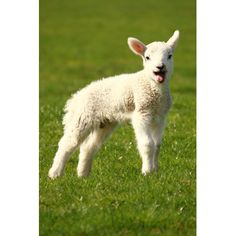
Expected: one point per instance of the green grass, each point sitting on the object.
(81, 41)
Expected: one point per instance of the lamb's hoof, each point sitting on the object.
(146, 172)
(82, 174)
(54, 173)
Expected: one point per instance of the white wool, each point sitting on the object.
(143, 98)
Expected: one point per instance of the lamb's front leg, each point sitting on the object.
(157, 133)
(146, 145)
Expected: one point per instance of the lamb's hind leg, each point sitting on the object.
(66, 146)
(90, 146)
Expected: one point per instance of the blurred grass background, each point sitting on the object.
(82, 41)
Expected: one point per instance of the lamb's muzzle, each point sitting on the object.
(160, 76)
(161, 67)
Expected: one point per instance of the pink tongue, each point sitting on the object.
(160, 78)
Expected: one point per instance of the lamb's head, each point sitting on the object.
(157, 56)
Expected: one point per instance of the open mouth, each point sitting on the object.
(160, 76)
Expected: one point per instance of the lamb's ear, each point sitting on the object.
(174, 39)
(136, 46)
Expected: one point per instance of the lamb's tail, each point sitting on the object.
(69, 110)
(76, 120)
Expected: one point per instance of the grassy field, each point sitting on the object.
(81, 41)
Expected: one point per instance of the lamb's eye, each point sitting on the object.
(169, 57)
(147, 58)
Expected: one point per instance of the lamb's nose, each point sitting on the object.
(161, 66)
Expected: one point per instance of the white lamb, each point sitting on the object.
(142, 98)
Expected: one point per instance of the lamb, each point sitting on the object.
(142, 98)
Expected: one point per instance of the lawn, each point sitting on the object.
(82, 41)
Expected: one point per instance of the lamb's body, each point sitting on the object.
(93, 112)
(114, 99)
